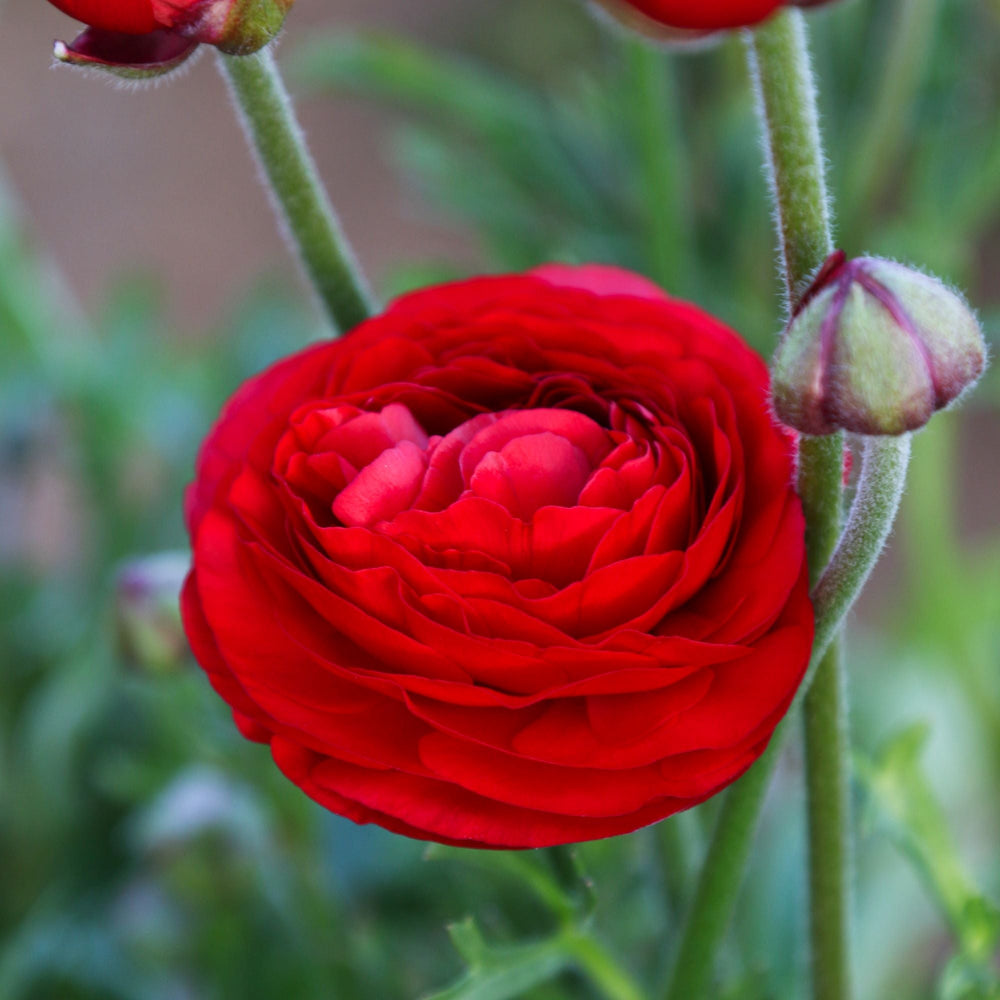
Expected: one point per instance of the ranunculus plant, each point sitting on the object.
(528, 560)
(526, 550)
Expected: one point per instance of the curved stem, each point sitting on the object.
(884, 464)
(291, 177)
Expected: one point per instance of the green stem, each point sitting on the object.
(786, 100)
(720, 878)
(601, 968)
(301, 202)
(873, 512)
(826, 749)
(676, 840)
(654, 123)
(786, 105)
(880, 489)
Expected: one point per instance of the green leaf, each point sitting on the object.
(502, 973)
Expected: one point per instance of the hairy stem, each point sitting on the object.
(884, 464)
(786, 101)
(290, 175)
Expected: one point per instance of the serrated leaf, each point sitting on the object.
(507, 973)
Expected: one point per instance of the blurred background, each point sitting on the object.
(145, 850)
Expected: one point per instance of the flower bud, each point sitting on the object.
(684, 21)
(147, 612)
(138, 39)
(874, 348)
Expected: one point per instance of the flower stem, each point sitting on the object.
(786, 105)
(290, 175)
(786, 101)
(610, 979)
(880, 489)
(720, 879)
(654, 124)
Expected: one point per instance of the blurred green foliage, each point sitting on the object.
(148, 853)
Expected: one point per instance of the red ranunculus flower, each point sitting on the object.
(707, 15)
(150, 37)
(516, 563)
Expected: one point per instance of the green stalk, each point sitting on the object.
(873, 512)
(302, 204)
(654, 124)
(786, 101)
(880, 487)
(720, 878)
(610, 979)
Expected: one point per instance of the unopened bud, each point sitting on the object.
(874, 348)
(147, 611)
(684, 21)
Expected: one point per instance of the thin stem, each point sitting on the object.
(880, 489)
(826, 749)
(676, 840)
(786, 105)
(656, 135)
(291, 177)
(786, 101)
(600, 967)
(571, 877)
(720, 878)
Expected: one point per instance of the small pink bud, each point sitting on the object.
(874, 348)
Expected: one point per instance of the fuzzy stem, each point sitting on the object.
(290, 175)
(876, 502)
(880, 488)
(786, 105)
(786, 101)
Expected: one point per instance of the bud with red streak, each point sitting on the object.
(874, 348)
(139, 39)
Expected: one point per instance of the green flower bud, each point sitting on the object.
(874, 348)
(147, 612)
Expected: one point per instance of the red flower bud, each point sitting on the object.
(144, 38)
(874, 348)
(672, 20)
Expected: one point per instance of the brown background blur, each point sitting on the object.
(158, 180)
